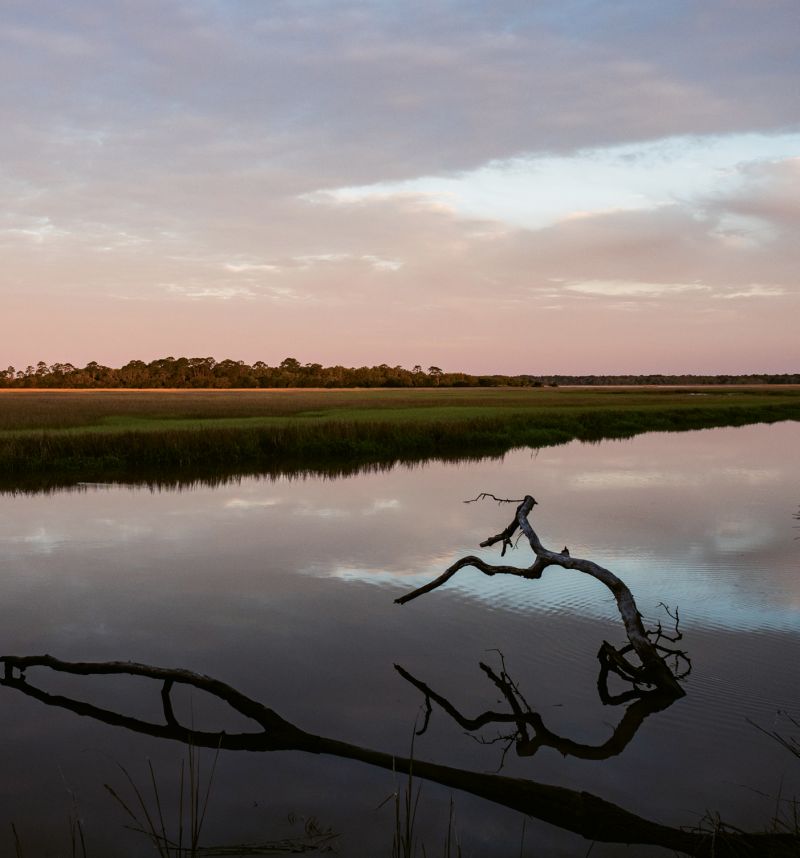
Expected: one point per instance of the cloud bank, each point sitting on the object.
(510, 187)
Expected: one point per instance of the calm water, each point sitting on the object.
(284, 589)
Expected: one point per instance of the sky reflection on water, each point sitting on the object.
(284, 588)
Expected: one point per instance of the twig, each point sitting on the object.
(483, 495)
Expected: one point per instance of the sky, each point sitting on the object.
(547, 186)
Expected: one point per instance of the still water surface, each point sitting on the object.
(284, 589)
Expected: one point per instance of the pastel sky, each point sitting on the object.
(543, 186)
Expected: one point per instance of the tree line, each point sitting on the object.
(206, 372)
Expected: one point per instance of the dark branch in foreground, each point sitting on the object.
(651, 669)
(572, 810)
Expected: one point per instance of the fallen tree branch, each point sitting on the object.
(275, 733)
(651, 670)
(580, 812)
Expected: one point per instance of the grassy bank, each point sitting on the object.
(62, 437)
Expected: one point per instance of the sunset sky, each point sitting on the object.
(574, 186)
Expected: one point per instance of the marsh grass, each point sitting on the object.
(406, 803)
(66, 436)
(789, 741)
(148, 814)
(22, 410)
(77, 839)
(148, 817)
(405, 842)
(786, 818)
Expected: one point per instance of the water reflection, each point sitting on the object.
(579, 812)
(188, 479)
(285, 588)
(529, 732)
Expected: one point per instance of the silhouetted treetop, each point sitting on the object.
(206, 372)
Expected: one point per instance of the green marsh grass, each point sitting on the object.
(64, 437)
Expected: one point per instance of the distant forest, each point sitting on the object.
(208, 373)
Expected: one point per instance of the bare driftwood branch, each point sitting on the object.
(651, 669)
(572, 810)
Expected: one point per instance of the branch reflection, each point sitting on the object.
(579, 812)
(529, 732)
